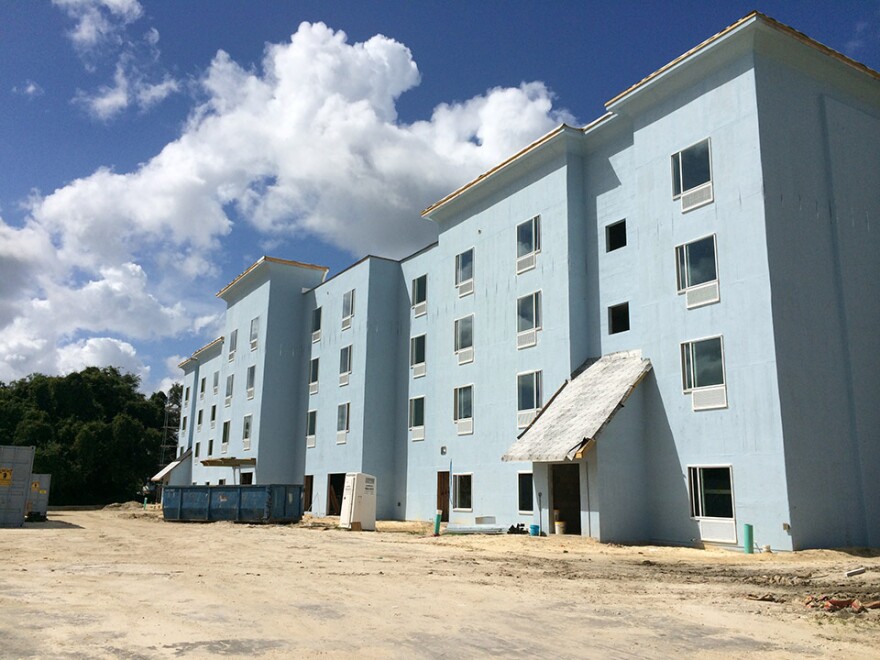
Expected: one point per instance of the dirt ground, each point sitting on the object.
(121, 583)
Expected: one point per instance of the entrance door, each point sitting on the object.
(566, 484)
(335, 487)
(443, 495)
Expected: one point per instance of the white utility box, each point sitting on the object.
(358, 502)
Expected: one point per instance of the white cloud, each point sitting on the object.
(101, 352)
(129, 88)
(28, 88)
(99, 21)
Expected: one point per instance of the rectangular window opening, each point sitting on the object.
(251, 379)
(461, 492)
(615, 236)
(692, 176)
(528, 244)
(464, 272)
(420, 295)
(618, 318)
(711, 492)
(525, 498)
(255, 332)
(316, 324)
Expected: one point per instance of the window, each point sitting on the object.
(221, 482)
(210, 447)
(186, 395)
(198, 447)
(696, 269)
(224, 441)
(464, 272)
(313, 376)
(711, 492)
(316, 324)
(230, 380)
(344, 364)
(183, 424)
(311, 427)
(615, 236)
(464, 339)
(342, 422)
(199, 421)
(216, 381)
(233, 343)
(702, 373)
(528, 397)
(255, 332)
(417, 348)
(347, 309)
(213, 415)
(463, 400)
(417, 417)
(246, 479)
(528, 244)
(246, 432)
(251, 378)
(692, 176)
(524, 492)
(618, 318)
(461, 492)
(528, 320)
(420, 295)
(202, 388)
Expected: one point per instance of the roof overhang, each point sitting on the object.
(231, 461)
(580, 410)
(168, 469)
(261, 263)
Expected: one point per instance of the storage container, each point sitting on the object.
(16, 464)
(38, 497)
(264, 503)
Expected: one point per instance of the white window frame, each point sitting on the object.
(247, 431)
(213, 415)
(419, 369)
(311, 428)
(465, 287)
(199, 416)
(465, 354)
(233, 344)
(210, 447)
(696, 295)
(224, 438)
(524, 416)
(528, 260)
(216, 381)
(347, 301)
(464, 425)
(314, 371)
(251, 380)
(529, 337)
(345, 369)
(342, 434)
(417, 432)
(455, 491)
(699, 195)
(230, 389)
(316, 331)
(712, 528)
(531, 494)
(706, 397)
(198, 447)
(202, 384)
(186, 394)
(255, 332)
(419, 307)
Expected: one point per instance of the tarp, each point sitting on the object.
(581, 408)
(165, 471)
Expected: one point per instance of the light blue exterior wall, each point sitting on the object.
(796, 196)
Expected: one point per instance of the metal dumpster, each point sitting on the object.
(16, 464)
(269, 503)
(38, 497)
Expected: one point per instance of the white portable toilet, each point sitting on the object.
(358, 501)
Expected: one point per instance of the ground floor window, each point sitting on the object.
(524, 486)
(461, 492)
(711, 492)
(247, 478)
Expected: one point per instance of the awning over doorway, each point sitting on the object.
(232, 461)
(581, 408)
(168, 469)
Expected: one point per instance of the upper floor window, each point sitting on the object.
(213, 415)
(199, 421)
(615, 236)
(464, 272)
(347, 309)
(463, 409)
(224, 440)
(618, 318)
(255, 332)
(528, 244)
(343, 422)
(420, 295)
(230, 380)
(233, 343)
(528, 397)
(417, 355)
(313, 376)
(186, 395)
(311, 427)
(246, 432)
(183, 423)
(202, 388)
(528, 319)
(692, 176)
(702, 373)
(344, 364)
(251, 378)
(464, 339)
(696, 269)
(316, 324)
(216, 381)
(417, 418)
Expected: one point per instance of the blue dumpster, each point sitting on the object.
(269, 503)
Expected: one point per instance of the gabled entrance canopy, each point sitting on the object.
(168, 469)
(581, 408)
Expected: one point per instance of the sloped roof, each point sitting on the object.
(580, 409)
(170, 467)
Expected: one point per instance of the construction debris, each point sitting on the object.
(834, 604)
(855, 571)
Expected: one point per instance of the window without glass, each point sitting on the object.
(313, 371)
(417, 412)
(230, 380)
(702, 364)
(615, 236)
(202, 388)
(251, 378)
(255, 331)
(524, 492)
(618, 318)
(419, 294)
(246, 431)
(183, 424)
(312, 423)
(348, 304)
(463, 399)
(225, 439)
(464, 267)
(198, 446)
(696, 263)
(417, 349)
(210, 447)
(233, 343)
(316, 324)
(213, 415)
(528, 312)
(691, 168)
(345, 360)
(711, 492)
(186, 395)
(464, 333)
(342, 414)
(461, 491)
(528, 388)
(199, 420)
(216, 381)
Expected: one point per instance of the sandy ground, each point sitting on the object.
(121, 583)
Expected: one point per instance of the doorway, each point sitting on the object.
(335, 487)
(566, 489)
(443, 495)
(308, 484)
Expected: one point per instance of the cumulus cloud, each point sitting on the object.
(308, 143)
(130, 87)
(99, 22)
(101, 352)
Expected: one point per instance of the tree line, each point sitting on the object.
(94, 432)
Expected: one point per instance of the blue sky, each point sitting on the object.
(151, 151)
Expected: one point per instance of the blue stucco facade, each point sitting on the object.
(720, 219)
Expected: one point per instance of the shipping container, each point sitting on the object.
(38, 497)
(269, 503)
(16, 464)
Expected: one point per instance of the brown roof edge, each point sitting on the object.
(273, 260)
(754, 15)
(207, 346)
